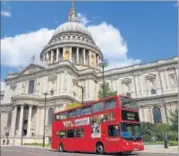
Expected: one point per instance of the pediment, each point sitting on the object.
(32, 68)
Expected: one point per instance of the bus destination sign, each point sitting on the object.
(128, 115)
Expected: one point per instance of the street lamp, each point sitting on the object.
(82, 91)
(103, 65)
(45, 118)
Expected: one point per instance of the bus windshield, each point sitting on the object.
(131, 131)
(127, 102)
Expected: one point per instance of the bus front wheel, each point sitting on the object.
(61, 148)
(99, 148)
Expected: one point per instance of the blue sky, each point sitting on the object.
(149, 29)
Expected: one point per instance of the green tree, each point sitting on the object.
(107, 90)
(174, 120)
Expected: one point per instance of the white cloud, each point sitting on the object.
(16, 51)
(82, 18)
(112, 44)
(2, 85)
(6, 13)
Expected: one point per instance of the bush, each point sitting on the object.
(157, 131)
(173, 143)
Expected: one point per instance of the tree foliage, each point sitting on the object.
(73, 105)
(174, 120)
(150, 130)
(107, 90)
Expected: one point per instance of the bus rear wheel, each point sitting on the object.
(61, 149)
(99, 148)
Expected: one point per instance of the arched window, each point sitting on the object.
(50, 116)
(9, 119)
(157, 115)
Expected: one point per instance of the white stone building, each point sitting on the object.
(70, 55)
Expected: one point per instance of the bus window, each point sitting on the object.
(110, 104)
(78, 112)
(62, 134)
(72, 114)
(85, 110)
(70, 133)
(113, 130)
(98, 107)
(79, 133)
(127, 102)
(61, 116)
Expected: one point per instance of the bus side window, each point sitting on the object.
(85, 110)
(78, 112)
(62, 134)
(70, 133)
(110, 104)
(98, 107)
(72, 114)
(113, 130)
(63, 116)
(79, 133)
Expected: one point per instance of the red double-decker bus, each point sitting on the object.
(110, 125)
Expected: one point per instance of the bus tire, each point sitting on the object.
(99, 148)
(61, 149)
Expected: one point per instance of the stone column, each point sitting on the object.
(47, 56)
(84, 56)
(142, 84)
(21, 120)
(163, 81)
(167, 80)
(57, 55)
(135, 88)
(151, 114)
(176, 76)
(37, 122)
(51, 60)
(63, 53)
(13, 123)
(77, 53)
(143, 114)
(29, 121)
(62, 84)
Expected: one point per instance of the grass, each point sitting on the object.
(170, 143)
(153, 143)
(37, 144)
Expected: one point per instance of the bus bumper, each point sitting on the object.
(138, 146)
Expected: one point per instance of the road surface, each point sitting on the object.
(25, 151)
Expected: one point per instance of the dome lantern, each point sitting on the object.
(72, 15)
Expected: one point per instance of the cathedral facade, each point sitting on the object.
(72, 59)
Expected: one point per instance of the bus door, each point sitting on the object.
(70, 141)
(113, 137)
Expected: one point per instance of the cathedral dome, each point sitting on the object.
(72, 42)
(72, 27)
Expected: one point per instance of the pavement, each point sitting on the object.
(160, 149)
(39, 151)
